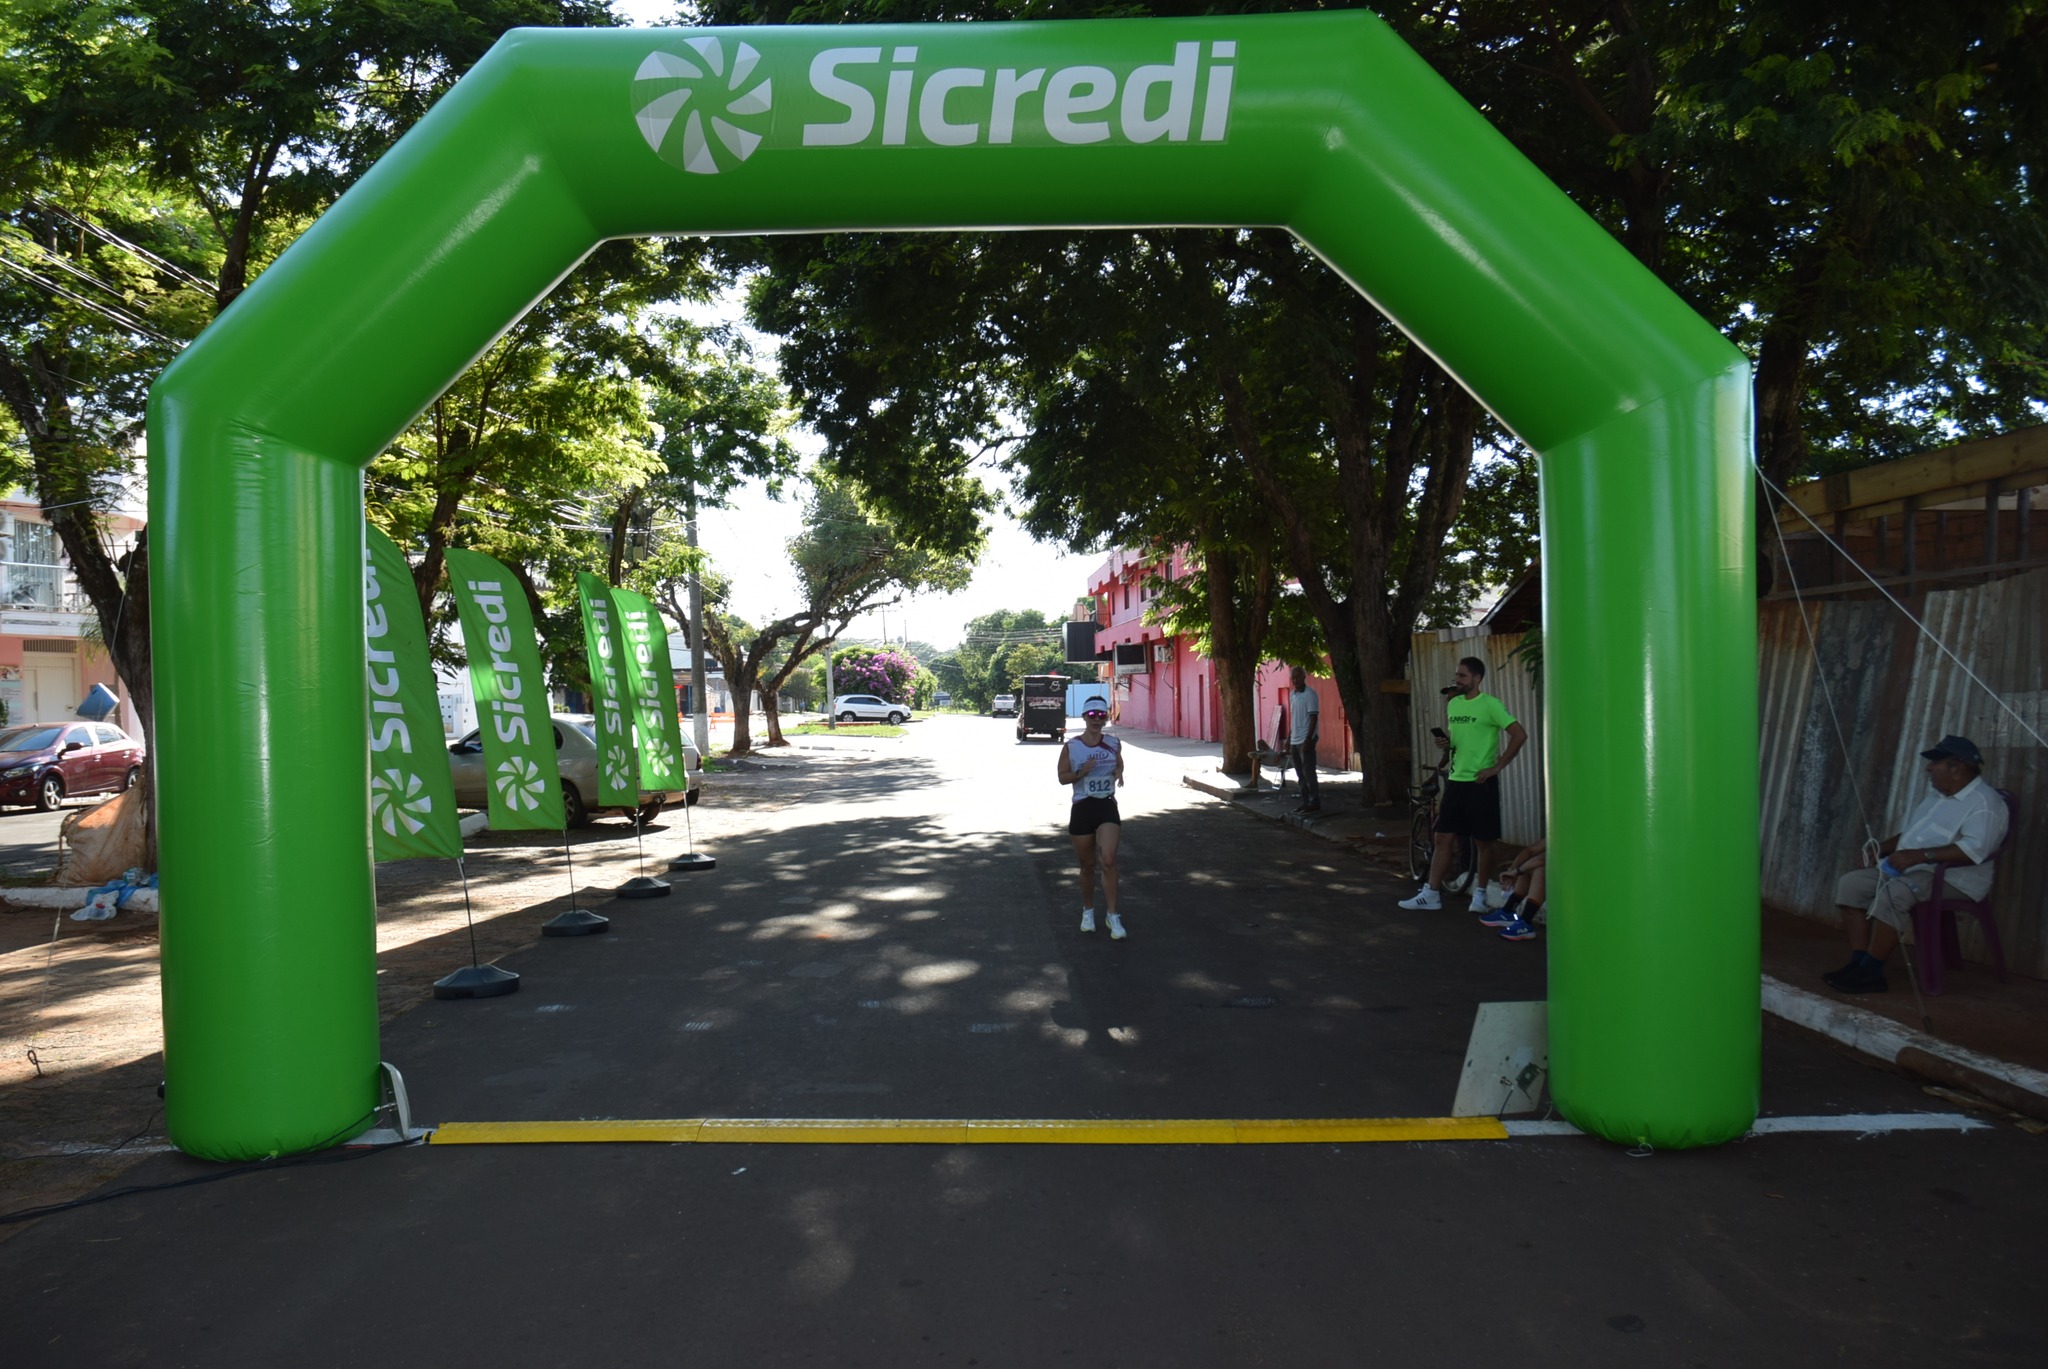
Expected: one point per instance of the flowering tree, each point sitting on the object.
(867, 670)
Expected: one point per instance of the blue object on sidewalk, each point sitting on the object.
(100, 701)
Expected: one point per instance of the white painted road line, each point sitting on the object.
(1854, 1123)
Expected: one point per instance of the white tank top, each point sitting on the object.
(1099, 782)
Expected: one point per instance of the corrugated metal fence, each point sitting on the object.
(1827, 755)
(1894, 693)
(1433, 656)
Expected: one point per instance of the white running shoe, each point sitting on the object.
(1425, 899)
(1087, 919)
(1116, 927)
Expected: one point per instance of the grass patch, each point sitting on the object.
(844, 729)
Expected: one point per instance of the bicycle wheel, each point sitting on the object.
(1421, 844)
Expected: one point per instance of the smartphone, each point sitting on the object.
(1439, 734)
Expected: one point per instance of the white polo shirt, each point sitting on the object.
(1973, 818)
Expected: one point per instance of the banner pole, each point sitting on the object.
(474, 980)
(575, 922)
(691, 862)
(642, 885)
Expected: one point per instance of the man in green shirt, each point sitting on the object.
(1471, 805)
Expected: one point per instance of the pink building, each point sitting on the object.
(47, 662)
(1171, 688)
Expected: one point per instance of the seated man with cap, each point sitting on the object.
(1961, 824)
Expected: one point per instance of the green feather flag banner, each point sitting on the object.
(525, 782)
(412, 795)
(617, 762)
(652, 679)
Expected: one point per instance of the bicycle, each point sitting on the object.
(1422, 827)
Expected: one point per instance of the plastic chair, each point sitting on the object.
(1934, 917)
(1264, 755)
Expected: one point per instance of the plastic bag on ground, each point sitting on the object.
(103, 842)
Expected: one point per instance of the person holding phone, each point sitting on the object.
(1484, 738)
(1092, 764)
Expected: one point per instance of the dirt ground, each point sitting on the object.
(81, 1028)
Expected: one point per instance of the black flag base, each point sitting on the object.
(693, 863)
(641, 886)
(575, 922)
(477, 981)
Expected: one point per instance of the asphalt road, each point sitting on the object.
(28, 837)
(893, 935)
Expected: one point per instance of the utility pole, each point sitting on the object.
(700, 717)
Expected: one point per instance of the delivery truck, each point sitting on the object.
(1042, 707)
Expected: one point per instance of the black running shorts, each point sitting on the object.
(1090, 814)
(1471, 808)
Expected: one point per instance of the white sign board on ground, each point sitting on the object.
(1506, 1062)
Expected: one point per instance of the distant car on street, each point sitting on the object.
(46, 763)
(1004, 706)
(869, 708)
(576, 756)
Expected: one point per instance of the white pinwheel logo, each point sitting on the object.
(663, 758)
(618, 771)
(667, 82)
(396, 796)
(518, 782)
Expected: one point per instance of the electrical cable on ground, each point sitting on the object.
(318, 1155)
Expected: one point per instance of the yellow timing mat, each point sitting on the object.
(825, 1131)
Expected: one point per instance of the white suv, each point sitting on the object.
(868, 708)
(1003, 706)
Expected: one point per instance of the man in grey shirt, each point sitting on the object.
(1304, 728)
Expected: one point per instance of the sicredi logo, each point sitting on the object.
(701, 117)
(726, 106)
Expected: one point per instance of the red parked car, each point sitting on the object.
(44, 763)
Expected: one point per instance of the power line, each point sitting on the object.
(142, 253)
(107, 312)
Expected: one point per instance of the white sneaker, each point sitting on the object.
(1479, 903)
(1425, 899)
(1116, 927)
(1087, 919)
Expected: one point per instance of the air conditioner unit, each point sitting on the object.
(1162, 651)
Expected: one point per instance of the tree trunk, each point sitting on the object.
(1780, 387)
(1239, 615)
(36, 392)
(622, 525)
(1433, 424)
(447, 508)
(742, 723)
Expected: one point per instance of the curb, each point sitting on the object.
(1876, 1035)
(1861, 1030)
(1225, 789)
(141, 901)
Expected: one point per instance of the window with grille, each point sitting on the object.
(33, 576)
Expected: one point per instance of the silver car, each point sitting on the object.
(576, 754)
(869, 708)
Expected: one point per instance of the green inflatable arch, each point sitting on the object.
(1325, 124)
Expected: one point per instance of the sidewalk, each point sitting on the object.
(1985, 1036)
